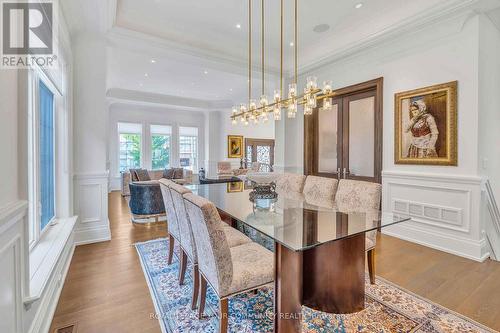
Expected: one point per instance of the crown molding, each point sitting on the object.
(447, 10)
(116, 95)
(123, 38)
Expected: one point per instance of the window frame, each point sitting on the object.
(141, 150)
(36, 233)
(197, 136)
(171, 144)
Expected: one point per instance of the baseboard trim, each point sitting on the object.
(466, 248)
(93, 235)
(48, 303)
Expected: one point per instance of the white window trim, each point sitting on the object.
(195, 167)
(36, 75)
(150, 145)
(141, 146)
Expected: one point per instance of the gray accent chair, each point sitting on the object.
(229, 271)
(146, 201)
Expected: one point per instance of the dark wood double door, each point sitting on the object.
(346, 141)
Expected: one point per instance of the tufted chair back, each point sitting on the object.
(290, 182)
(320, 191)
(185, 229)
(173, 225)
(215, 257)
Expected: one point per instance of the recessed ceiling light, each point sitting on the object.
(146, 75)
(238, 26)
(141, 84)
(291, 44)
(321, 27)
(153, 61)
(358, 5)
(230, 89)
(205, 72)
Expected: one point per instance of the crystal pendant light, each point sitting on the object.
(312, 83)
(327, 104)
(292, 108)
(308, 110)
(327, 87)
(292, 90)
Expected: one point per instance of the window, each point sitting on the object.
(130, 136)
(188, 147)
(160, 146)
(46, 154)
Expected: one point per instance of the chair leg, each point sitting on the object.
(196, 286)
(182, 268)
(224, 313)
(371, 265)
(203, 296)
(171, 241)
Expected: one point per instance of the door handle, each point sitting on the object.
(338, 173)
(345, 173)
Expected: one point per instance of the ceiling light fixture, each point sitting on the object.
(309, 99)
(238, 26)
(205, 72)
(153, 61)
(358, 5)
(146, 75)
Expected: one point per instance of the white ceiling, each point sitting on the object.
(188, 37)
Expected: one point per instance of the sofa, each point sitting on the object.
(127, 177)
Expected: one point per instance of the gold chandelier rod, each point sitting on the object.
(263, 48)
(295, 42)
(281, 52)
(249, 50)
(300, 98)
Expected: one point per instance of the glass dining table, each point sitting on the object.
(319, 246)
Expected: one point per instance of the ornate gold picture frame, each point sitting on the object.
(426, 125)
(234, 146)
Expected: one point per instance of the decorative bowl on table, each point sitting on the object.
(264, 186)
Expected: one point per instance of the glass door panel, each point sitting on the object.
(361, 137)
(327, 140)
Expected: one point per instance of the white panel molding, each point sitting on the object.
(91, 206)
(13, 274)
(427, 176)
(445, 211)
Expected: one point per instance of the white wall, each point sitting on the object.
(489, 103)
(151, 115)
(441, 52)
(90, 138)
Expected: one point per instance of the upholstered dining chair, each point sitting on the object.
(320, 191)
(290, 182)
(173, 225)
(229, 271)
(187, 242)
(360, 196)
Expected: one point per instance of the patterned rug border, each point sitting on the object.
(164, 329)
(147, 277)
(426, 300)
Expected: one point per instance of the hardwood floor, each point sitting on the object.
(105, 290)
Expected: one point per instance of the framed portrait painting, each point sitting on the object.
(234, 187)
(426, 125)
(234, 146)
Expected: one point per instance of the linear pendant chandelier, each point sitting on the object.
(252, 112)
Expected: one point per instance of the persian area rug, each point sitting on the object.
(388, 308)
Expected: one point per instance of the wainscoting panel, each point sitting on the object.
(445, 211)
(13, 271)
(91, 206)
